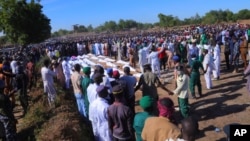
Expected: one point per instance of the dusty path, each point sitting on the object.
(228, 102)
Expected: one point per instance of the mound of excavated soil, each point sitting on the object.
(52, 124)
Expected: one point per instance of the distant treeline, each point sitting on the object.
(211, 17)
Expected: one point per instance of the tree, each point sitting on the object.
(23, 22)
(110, 26)
(243, 14)
(229, 15)
(210, 17)
(82, 28)
(3, 40)
(61, 32)
(121, 24)
(90, 28)
(168, 20)
(75, 28)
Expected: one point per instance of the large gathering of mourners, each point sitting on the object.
(103, 73)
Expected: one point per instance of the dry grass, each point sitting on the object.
(63, 122)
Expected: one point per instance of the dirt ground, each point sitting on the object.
(226, 103)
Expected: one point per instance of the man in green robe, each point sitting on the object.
(181, 50)
(195, 76)
(84, 85)
(146, 104)
(203, 41)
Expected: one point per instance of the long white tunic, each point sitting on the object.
(97, 49)
(207, 75)
(66, 68)
(13, 66)
(142, 57)
(48, 82)
(217, 60)
(147, 49)
(91, 92)
(98, 115)
(153, 56)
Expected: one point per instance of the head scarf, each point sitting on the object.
(165, 111)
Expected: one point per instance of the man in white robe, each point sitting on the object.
(91, 90)
(216, 57)
(155, 62)
(97, 48)
(98, 115)
(80, 48)
(207, 68)
(147, 49)
(142, 58)
(66, 71)
(48, 82)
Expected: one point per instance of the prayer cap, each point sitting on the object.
(97, 76)
(116, 74)
(176, 58)
(146, 102)
(147, 66)
(101, 90)
(109, 71)
(86, 70)
(117, 89)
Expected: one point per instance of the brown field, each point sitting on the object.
(244, 21)
(228, 102)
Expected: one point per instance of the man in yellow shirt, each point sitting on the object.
(161, 128)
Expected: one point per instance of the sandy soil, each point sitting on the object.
(228, 102)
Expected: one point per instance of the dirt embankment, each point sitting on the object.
(244, 21)
(62, 123)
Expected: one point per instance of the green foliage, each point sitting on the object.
(243, 14)
(211, 17)
(3, 40)
(168, 20)
(61, 32)
(40, 63)
(110, 25)
(23, 22)
(79, 28)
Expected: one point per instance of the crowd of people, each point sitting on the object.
(17, 78)
(105, 95)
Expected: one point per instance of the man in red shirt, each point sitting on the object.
(162, 57)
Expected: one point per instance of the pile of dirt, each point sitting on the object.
(63, 122)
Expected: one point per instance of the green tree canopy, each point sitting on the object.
(211, 17)
(23, 22)
(243, 14)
